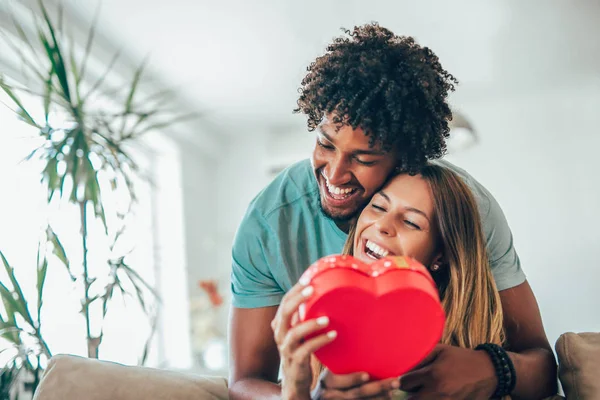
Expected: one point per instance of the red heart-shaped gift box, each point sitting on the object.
(387, 314)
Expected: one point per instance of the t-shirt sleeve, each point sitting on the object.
(253, 256)
(504, 260)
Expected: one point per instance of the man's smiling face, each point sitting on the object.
(349, 171)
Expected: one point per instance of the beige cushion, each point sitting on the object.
(579, 365)
(76, 378)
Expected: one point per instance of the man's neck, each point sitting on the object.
(343, 225)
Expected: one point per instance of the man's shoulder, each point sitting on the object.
(293, 188)
(504, 260)
(483, 197)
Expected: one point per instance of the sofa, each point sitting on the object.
(76, 378)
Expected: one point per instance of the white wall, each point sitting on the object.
(241, 176)
(199, 179)
(538, 156)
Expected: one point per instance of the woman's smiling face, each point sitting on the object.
(399, 221)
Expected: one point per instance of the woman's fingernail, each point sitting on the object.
(322, 321)
(396, 384)
(364, 377)
(304, 281)
(331, 334)
(307, 291)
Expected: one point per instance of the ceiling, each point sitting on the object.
(241, 62)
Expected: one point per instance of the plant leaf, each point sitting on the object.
(9, 329)
(158, 97)
(23, 36)
(74, 68)
(11, 347)
(42, 269)
(138, 281)
(88, 302)
(48, 94)
(21, 111)
(24, 59)
(50, 176)
(20, 301)
(30, 156)
(146, 351)
(94, 195)
(141, 118)
(171, 121)
(55, 54)
(134, 275)
(9, 378)
(102, 78)
(9, 305)
(134, 85)
(59, 251)
(100, 213)
(90, 41)
(108, 293)
(60, 15)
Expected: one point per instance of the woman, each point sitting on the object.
(433, 218)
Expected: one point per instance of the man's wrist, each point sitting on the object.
(489, 372)
(503, 366)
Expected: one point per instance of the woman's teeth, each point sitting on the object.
(376, 250)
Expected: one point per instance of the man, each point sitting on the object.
(378, 103)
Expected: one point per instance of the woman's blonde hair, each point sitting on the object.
(467, 289)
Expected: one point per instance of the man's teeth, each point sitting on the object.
(377, 249)
(337, 190)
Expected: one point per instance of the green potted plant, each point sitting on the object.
(85, 159)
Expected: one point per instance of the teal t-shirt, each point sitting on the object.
(284, 231)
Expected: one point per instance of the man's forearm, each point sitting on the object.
(536, 373)
(254, 389)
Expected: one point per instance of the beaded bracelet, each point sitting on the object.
(505, 370)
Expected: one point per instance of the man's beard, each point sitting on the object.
(339, 219)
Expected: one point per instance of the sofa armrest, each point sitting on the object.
(76, 378)
(579, 365)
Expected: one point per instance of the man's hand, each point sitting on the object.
(354, 386)
(451, 372)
